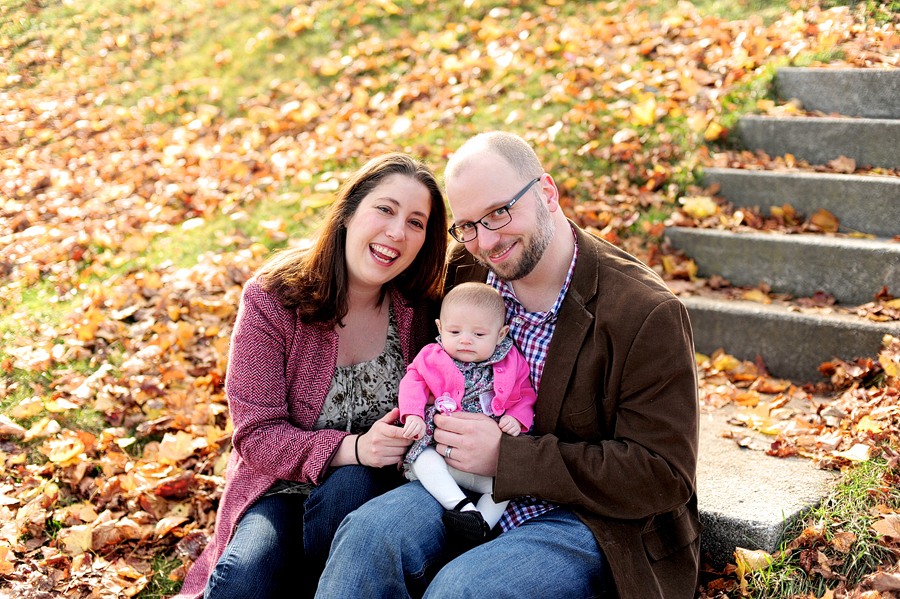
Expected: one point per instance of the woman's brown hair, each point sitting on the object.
(314, 280)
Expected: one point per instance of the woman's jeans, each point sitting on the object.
(282, 541)
(394, 547)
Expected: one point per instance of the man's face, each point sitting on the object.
(513, 251)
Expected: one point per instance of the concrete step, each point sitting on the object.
(792, 344)
(865, 203)
(871, 142)
(870, 93)
(852, 270)
(747, 498)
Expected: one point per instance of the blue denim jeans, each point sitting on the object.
(282, 541)
(394, 547)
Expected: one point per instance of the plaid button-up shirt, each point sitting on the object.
(532, 332)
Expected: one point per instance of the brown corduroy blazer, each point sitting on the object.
(616, 421)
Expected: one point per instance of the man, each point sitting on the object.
(603, 489)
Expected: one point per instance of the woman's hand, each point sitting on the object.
(384, 443)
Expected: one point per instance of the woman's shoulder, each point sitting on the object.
(256, 298)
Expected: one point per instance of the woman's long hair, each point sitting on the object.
(314, 280)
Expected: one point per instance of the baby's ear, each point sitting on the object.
(437, 321)
(503, 331)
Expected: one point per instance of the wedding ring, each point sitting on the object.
(447, 453)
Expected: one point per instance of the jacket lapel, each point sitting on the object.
(572, 327)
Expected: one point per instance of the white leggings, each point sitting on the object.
(445, 484)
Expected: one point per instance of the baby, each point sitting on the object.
(474, 367)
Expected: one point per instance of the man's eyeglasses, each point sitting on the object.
(496, 219)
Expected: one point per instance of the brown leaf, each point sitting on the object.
(889, 526)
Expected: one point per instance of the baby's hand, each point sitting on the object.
(510, 425)
(414, 427)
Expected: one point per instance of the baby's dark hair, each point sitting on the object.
(479, 295)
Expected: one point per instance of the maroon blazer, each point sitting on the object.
(616, 420)
(279, 373)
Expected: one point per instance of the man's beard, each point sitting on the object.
(531, 253)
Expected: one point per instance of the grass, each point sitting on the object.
(851, 507)
(170, 57)
(160, 586)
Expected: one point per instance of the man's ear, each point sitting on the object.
(502, 333)
(550, 191)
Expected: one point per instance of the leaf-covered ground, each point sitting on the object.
(137, 196)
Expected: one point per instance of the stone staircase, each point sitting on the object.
(792, 343)
(746, 497)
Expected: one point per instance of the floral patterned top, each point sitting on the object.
(359, 395)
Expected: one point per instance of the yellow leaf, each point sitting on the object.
(858, 453)
(867, 424)
(27, 408)
(699, 206)
(644, 113)
(166, 525)
(75, 539)
(750, 561)
(60, 405)
(136, 244)
(826, 220)
(64, 449)
(757, 295)
(174, 448)
(713, 131)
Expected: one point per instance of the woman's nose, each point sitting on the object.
(395, 231)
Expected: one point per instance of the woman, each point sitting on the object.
(321, 341)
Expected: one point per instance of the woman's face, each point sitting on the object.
(386, 232)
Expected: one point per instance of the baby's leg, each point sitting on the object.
(432, 471)
(489, 510)
(484, 485)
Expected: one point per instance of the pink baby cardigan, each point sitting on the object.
(433, 373)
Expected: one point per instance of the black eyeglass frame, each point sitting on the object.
(453, 230)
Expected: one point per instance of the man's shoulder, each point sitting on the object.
(617, 271)
(462, 267)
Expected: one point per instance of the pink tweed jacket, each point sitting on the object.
(279, 373)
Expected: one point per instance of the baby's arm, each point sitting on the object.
(510, 425)
(414, 427)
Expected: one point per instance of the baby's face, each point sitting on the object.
(470, 334)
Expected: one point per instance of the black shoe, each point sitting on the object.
(465, 529)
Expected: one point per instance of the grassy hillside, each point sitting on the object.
(153, 153)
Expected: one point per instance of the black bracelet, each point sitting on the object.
(356, 450)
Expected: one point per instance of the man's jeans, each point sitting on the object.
(282, 541)
(394, 547)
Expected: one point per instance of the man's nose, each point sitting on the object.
(487, 239)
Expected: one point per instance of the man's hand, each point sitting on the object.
(474, 440)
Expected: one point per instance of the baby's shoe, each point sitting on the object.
(465, 529)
